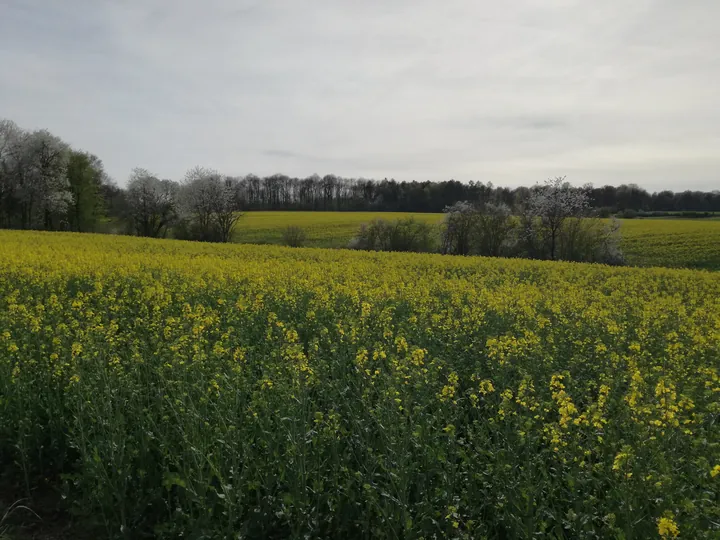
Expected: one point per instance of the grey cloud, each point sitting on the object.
(280, 153)
(472, 89)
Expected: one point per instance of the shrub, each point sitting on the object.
(190, 229)
(486, 230)
(590, 240)
(294, 236)
(401, 235)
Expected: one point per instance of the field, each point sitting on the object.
(323, 229)
(168, 388)
(691, 243)
(646, 242)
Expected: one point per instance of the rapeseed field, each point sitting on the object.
(222, 391)
(675, 243)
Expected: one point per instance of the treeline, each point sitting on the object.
(555, 222)
(331, 192)
(46, 184)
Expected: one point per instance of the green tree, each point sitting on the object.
(85, 174)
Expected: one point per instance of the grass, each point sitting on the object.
(170, 388)
(682, 243)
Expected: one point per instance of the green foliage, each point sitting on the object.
(85, 175)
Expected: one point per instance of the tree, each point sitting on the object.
(116, 206)
(11, 139)
(458, 228)
(34, 189)
(591, 239)
(85, 175)
(152, 203)
(552, 204)
(482, 230)
(209, 205)
(494, 226)
(227, 209)
(44, 192)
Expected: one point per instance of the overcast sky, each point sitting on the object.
(611, 91)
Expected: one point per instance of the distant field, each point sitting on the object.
(646, 242)
(691, 243)
(323, 229)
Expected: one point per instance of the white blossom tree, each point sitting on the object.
(209, 202)
(34, 189)
(153, 203)
(551, 204)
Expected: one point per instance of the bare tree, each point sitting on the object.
(153, 203)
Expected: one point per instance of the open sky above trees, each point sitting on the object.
(606, 92)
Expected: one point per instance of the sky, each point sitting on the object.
(511, 93)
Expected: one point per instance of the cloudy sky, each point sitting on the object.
(508, 92)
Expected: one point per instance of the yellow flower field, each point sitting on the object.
(238, 391)
(690, 243)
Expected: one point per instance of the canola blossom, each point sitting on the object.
(256, 391)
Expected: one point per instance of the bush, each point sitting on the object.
(590, 240)
(486, 230)
(401, 235)
(188, 229)
(294, 236)
(628, 213)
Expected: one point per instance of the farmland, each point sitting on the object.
(645, 242)
(323, 229)
(692, 243)
(228, 391)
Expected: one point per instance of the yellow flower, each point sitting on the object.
(715, 471)
(621, 459)
(667, 528)
(486, 387)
